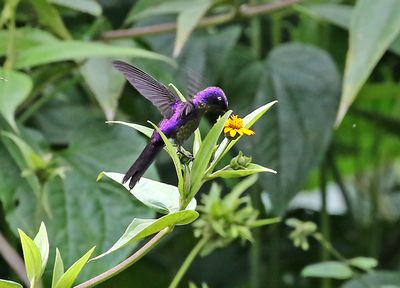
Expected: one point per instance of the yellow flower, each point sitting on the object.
(234, 128)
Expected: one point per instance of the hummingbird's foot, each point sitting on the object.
(185, 156)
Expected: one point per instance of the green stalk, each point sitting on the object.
(255, 249)
(127, 262)
(326, 283)
(188, 261)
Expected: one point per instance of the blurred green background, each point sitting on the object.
(334, 67)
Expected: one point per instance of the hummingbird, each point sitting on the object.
(180, 119)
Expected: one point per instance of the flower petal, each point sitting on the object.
(247, 131)
(227, 129)
(232, 133)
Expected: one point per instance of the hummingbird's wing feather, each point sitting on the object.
(150, 88)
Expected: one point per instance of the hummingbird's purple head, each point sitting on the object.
(211, 99)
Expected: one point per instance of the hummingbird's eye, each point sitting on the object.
(219, 98)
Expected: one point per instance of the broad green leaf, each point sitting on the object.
(50, 17)
(228, 172)
(86, 6)
(205, 153)
(141, 228)
(328, 269)
(32, 258)
(364, 263)
(25, 38)
(68, 278)
(58, 269)
(42, 242)
(105, 86)
(293, 138)
(14, 89)
(197, 142)
(381, 279)
(226, 145)
(142, 129)
(154, 194)
(174, 156)
(187, 21)
(78, 50)
(32, 159)
(9, 284)
(368, 42)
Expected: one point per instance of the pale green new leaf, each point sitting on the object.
(368, 42)
(9, 284)
(42, 242)
(50, 17)
(205, 153)
(228, 172)
(86, 6)
(32, 258)
(142, 129)
(14, 88)
(154, 194)
(78, 50)
(58, 269)
(174, 156)
(141, 228)
(328, 269)
(68, 278)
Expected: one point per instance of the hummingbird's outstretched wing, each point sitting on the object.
(150, 88)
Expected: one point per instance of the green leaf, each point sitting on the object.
(381, 279)
(68, 278)
(187, 21)
(228, 172)
(142, 129)
(364, 263)
(32, 258)
(13, 91)
(78, 50)
(58, 269)
(42, 242)
(106, 86)
(141, 228)
(25, 37)
(336, 14)
(339, 15)
(154, 194)
(86, 6)
(9, 284)
(294, 137)
(49, 17)
(205, 153)
(328, 269)
(174, 156)
(146, 8)
(368, 42)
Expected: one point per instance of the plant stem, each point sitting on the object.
(244, 11)
(13, 259)
(328, 246)
(127, 262)
(188, 261)
(326, 283)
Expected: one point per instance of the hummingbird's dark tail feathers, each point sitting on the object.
(142, 163)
